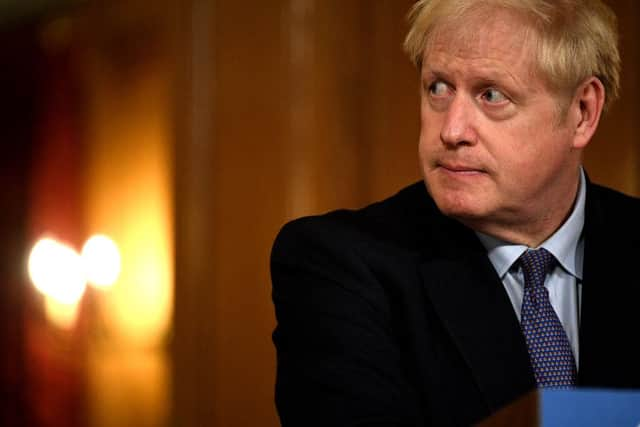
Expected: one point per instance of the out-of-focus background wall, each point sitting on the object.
(186, 133)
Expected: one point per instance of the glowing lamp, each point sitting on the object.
(101, 260)
(56, 271)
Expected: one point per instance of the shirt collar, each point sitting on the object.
(565, 244)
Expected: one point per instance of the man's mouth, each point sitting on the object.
(460, 168)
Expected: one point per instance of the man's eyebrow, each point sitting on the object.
(491, 81)
(428, 71)
(488, 75)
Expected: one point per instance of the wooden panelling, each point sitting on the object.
(283, 109)
(229, 203)
(392, 118)
(194, 343)
(613, 156)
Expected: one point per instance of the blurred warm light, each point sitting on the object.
(128, 387)
(61, 314)
(56, 271)
(138, 308)
(101, 260)
(129, 197)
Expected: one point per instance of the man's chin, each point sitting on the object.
(463, 214)
(459, 204)
(472, 217)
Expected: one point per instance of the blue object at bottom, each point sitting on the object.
(590, 407)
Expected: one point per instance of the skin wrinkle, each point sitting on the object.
(525, 158)
(573, 38)
(460, 32)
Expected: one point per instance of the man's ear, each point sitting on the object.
(586, 110)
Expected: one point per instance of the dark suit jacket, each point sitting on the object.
(393, 315)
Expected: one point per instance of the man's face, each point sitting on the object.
(494, 148)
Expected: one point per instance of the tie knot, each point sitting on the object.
(536, 263)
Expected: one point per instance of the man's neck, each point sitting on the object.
(535, 229)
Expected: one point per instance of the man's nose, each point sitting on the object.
(458, 127)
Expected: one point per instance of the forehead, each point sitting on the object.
(484, 34)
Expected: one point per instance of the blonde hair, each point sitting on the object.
(576, 39)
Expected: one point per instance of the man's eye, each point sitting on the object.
(438, 88)
(494, 96)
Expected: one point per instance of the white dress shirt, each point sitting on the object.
(564, 282)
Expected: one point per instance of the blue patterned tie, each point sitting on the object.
(549, 348)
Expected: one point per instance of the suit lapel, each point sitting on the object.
(592, 274)
(609, 296)
(470, 299)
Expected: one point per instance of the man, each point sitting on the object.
(505, 270)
